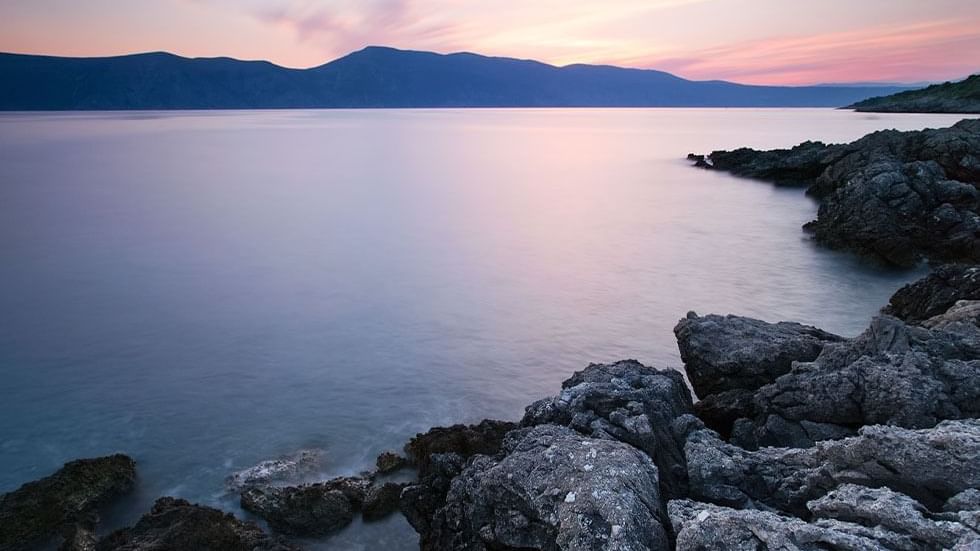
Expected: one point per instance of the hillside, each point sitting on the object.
(949, 97)
(374, 77)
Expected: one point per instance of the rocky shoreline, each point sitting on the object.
(898, 197)
(793, 437)
(800, 439)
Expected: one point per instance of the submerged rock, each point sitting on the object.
(629, 402)
(288, 467)
(894, 196)
(553, 488)
(64, 503)
(936, 293)
(175, 524)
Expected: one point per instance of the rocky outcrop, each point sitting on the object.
(177, 524)
(936, 293)
(64, 504)
(310, 509)
(629, 402)
(722, 353)
(894, 196)
(553, 488)
(290, 467)
(389, 462)
(948, 97)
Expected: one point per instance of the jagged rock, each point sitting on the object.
(553, 489)
(930, 465)
(895, 196)
(898, 513)
(894, 373)
(288, 467)
(722, 353)
(465, 440)
(720, 411)
(627, 401)
(177, 524)
(389, 462)
(310, 509)
(64, 503)
(382, 500)
(936, 293)
(963, 312)
(419, 502)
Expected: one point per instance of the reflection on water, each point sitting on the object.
(205, 290)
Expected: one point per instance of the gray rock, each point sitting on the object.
(723, 353)
(175, 524)
(721, 411)
(310, 509)
(63, 504)
(930, 465)
(381, 500)
(936, 293)
(629, 402)
(289, 467)
(554, 489)
(389, 462)
(967, 500)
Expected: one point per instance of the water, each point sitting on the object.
(206, 290)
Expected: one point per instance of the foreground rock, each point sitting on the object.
(936, 293)
(63, 504)
(895, 196)
(554, 489)
(175, 524)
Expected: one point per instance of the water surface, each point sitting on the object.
(204, 290)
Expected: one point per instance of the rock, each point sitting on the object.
(629, 402)
(894, 373)
(967, 500)
(465, 440)
(936, 293)
(894, 196)
(64, 503)
(177, 524)
(389, 462)
(720, 411)
(963, 312)
(895, 512)
(948, 97)
(722, 353)
(553, 489)
(382, 500)
(929, 465)
(308, 510)
(288, 467)
(419, 502)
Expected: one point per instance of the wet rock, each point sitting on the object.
(629, 402)
(308, 510)
(177, 524)
(553, 489)
(895, 512)
(723, 353)
(389, 462)
(63, 504)
(382, 500)
(464, 440)
(288, 467)
(936, 293)
(894, 196)
(929, 465)
(894, 373)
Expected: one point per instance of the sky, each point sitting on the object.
(751, 41)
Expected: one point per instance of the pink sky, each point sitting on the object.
(754, 41)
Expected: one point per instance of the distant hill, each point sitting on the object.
(949, 97)
(375, 77)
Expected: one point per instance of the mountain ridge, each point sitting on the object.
(375, 77)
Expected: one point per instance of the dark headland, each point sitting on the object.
(949, 97)
(375, 77)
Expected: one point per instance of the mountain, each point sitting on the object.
(374, 77)
(949, 97)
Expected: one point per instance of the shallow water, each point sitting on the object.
(205, 290)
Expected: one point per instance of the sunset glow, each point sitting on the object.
(754, 41)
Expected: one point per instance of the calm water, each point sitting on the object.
(207, 290)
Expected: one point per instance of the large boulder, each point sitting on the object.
(177, 524)
(929, 465)
(629, 402)
(723, 353)
(936, 293)
(554, 489)
(64, 503)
